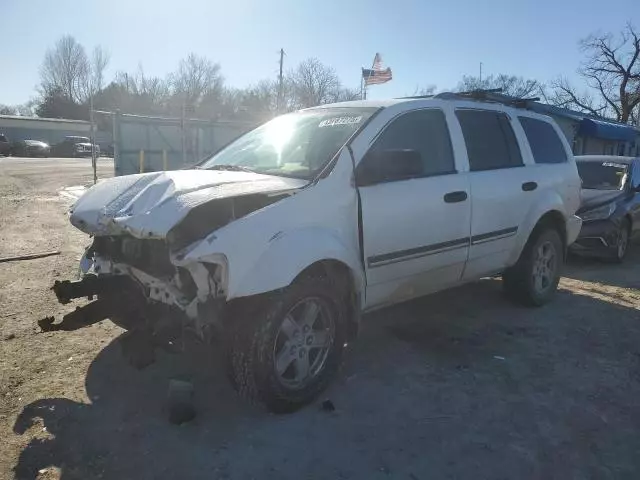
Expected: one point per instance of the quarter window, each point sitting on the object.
(490, 140)
(543, 140)
(426, 132)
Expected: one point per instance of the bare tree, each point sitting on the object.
(612, 71)
(345, 94)
(424, 91)
(510, 84)
(65, 69)
(313, 83)
(197, 82)
(99, 61)
(137, 93)
(8, 110)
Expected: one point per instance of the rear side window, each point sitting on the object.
(543, 139)
(425, 131)
(490, 140)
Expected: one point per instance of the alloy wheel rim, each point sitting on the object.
(303, 342)
(544, 267)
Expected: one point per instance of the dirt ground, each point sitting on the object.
(458, 385)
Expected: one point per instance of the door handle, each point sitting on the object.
(529, 186)
(454, 197)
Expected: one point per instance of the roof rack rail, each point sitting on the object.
(489, 95)
(416, 97)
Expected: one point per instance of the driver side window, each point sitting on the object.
(425, 132)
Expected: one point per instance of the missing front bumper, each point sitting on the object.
(89, 286)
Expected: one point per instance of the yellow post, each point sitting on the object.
(164, 160)
(141, 161)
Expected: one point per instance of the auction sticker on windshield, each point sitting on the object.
(330, 122)
(616, 165)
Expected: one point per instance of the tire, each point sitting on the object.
(622, 246)
(533, 280)
(270, 343)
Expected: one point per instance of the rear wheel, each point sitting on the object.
(533, 281)
(285, 352)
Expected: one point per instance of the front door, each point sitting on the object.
(415, 231)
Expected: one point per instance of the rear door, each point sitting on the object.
(415, 231)
(502, 188)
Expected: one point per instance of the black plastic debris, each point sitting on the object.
(327, 406)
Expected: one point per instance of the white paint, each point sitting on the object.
(148, 205)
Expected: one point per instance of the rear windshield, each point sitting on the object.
(602, 175)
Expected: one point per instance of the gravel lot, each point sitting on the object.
(458, 385)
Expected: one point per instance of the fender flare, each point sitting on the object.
(550, 203)
(289, 254)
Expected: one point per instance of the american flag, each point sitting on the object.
(376, 74)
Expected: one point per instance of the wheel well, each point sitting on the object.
(630, 220)
(553, 219)
(341, 277)
(326, 268)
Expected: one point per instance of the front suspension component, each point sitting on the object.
(89, 286)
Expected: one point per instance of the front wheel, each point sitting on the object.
(533, 281)
(623, 242)
(286, 351)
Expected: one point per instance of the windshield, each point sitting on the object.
(602, 175)
(295, 145)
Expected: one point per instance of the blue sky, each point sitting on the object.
(423, 41)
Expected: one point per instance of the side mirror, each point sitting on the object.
(388, 166)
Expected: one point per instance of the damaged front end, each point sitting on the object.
(135, 265)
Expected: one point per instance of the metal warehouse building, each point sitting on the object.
(588, 135)
(48, 130)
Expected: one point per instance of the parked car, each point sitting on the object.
(610, 209)
(5, 145)
(280, 241)
(30, 148)
(73, 146)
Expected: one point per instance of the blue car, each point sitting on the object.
(610, 206)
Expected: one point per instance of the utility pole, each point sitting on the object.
(481, 74)
(93, 139)
(280, 84)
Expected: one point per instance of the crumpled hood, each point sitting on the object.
(148, 205)
(591, 198)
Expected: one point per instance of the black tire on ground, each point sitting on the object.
(622, 247)
(260, 333)
(541, 258)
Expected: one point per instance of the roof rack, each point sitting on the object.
(489, 95)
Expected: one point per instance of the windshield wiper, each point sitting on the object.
(231, 168)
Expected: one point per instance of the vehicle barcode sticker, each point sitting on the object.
(330, 122)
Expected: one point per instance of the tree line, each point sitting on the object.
(69, 77)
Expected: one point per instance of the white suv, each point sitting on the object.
(281, 239)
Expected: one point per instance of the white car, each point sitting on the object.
(283, 238)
